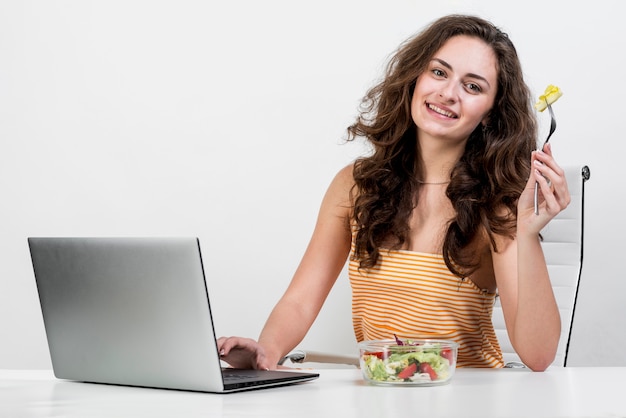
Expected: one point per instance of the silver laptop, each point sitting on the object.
(135, 311)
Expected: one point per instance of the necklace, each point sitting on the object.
(433, 182)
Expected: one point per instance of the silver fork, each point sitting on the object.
(552, 129)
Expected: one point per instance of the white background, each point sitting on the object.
(225, 120)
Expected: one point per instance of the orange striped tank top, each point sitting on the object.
(415, 296)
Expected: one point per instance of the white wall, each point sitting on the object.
(225, 120)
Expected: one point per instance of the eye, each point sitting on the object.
(473, 87)
(438, 72)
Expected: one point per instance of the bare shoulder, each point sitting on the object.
(338, 198)
(345, 175)
(343, 182)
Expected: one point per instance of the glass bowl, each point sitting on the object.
(408, 362)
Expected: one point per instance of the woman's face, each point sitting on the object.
(456, 91)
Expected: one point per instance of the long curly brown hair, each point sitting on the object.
(485, 183)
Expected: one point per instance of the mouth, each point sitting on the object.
(441, 111)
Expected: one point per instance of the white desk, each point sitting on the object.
(558, 392)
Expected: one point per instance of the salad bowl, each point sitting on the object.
(408, 362)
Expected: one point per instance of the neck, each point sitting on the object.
(438, 158)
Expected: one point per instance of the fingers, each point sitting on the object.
(242, 353)
(224, 345)
(547, 165)
(551, 179)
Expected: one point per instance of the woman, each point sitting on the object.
(440, 215)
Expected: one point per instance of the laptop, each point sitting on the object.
(135, 312)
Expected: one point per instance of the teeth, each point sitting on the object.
(441, 111)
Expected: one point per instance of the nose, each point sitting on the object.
(448, 93)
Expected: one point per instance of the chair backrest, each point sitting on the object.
(563, 248)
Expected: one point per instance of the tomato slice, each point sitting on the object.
(447, 354)
(379, 354)
(427, 368)
(409, 371)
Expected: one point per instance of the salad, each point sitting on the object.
(418, 362)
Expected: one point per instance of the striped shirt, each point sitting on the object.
(415, 296)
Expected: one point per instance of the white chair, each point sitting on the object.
(563, 248)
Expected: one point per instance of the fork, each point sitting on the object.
(552, 129)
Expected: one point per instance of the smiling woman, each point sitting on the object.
(440, 215)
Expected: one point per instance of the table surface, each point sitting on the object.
(557, 392)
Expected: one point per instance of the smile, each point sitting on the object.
(441, 111)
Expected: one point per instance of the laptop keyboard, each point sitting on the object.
(239, 376)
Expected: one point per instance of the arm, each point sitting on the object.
(530, 310)
(319, 268)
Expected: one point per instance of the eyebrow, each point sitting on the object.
(472, 75)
